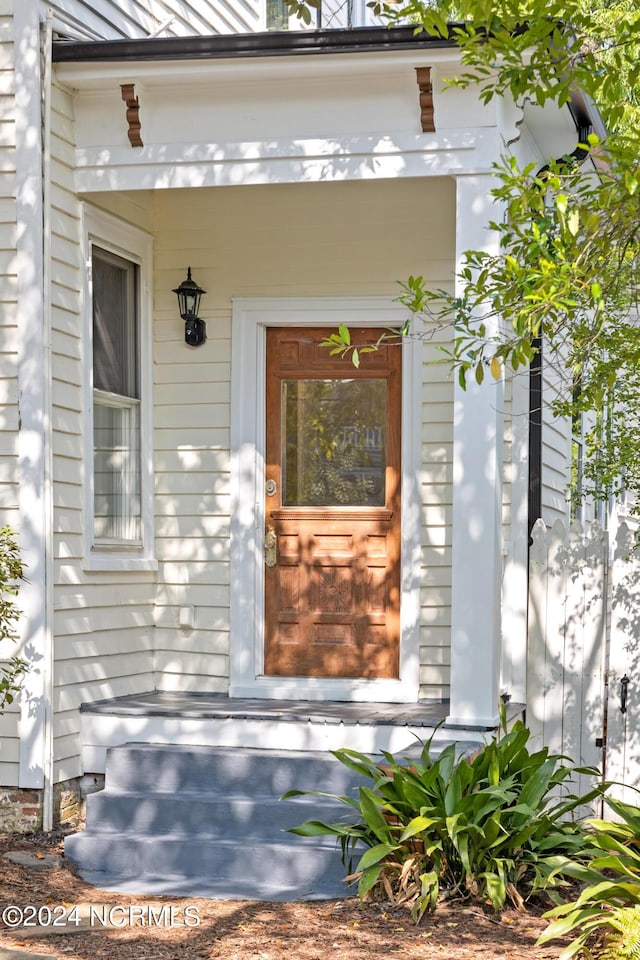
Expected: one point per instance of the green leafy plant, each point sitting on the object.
(624, 940)
(565, 271)
(605, 916)
(11, 573)
(492, 826)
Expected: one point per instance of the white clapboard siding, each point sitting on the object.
(437, 494)
(9, 746)
(103, 624)
(301, 240)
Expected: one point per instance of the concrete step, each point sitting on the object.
(191, 813)
(230, 869)
(207, 821)
(167, 768)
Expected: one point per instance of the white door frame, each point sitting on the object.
(251, 317)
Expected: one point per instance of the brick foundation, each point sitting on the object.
(21, 810)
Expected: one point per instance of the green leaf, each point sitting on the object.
(368, 880)
(370, 806)
(415, 826)
(374, 854)
(573, 222)
(317, 828)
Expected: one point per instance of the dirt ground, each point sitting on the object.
(233, 930)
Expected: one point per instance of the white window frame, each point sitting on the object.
(103, 230)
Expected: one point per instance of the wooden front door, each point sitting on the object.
(332, 538)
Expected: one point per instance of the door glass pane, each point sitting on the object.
(334, 442)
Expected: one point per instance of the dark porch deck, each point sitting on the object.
(193, 705)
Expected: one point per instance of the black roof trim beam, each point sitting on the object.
(230, 46)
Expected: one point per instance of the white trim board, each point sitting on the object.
(136, 245)
(251, 317)
(101, 732)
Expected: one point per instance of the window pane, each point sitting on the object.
(277, 15)
(116, 469)
(334, 439)
(115, 361)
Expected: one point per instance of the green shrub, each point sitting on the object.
(605, 917)
(492, 826)
(11, 573)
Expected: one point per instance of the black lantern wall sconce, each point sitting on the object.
(189, 293)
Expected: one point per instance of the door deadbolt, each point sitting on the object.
(270, 487)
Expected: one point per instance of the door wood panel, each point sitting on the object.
(332, 597)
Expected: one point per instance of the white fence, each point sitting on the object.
(583, 668)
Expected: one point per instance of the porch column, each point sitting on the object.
(34, 502)
(477, 502)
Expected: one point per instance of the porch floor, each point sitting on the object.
(202, 706)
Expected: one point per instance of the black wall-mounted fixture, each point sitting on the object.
(189, 293)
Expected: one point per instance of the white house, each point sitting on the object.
(249, 519)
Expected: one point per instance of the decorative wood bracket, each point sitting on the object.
(423, 76)
(133, 113)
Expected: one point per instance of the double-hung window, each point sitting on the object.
(119, 490)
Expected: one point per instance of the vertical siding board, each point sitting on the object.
(573, 564)
(554, 701)
(575, 641)
(536, 650)
(623, 730)
(594, 650)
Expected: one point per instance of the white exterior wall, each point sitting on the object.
(103, 621)
(117, 633)
(120, 633)
(313, 240)
(437, 497)
(128, 631)
(9, 409)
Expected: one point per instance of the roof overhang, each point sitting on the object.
(284, 107)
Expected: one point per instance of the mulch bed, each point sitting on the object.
(235, 930)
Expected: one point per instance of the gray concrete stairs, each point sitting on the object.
(207, 821)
